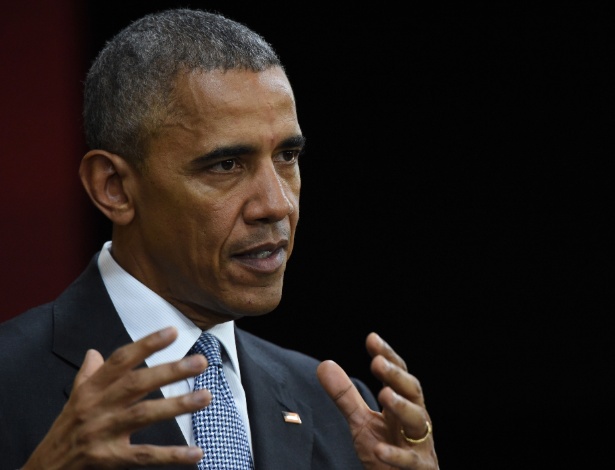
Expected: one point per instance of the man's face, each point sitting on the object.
(217, 204)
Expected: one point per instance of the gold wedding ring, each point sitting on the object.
(422, 439)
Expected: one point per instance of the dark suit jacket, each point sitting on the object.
(42, 349)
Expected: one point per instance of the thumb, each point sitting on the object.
(91, 363)
(342, 391)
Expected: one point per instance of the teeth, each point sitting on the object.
(260, 254)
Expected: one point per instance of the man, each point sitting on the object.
(194, 155)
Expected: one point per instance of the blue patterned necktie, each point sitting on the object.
(218, 428)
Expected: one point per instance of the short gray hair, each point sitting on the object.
(129, 87)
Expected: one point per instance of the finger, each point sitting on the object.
(135, 384)
(147, 412)
(400, 457)
(397, 378)
(149, 455)
(377, 346)
(342, 391)
(128, 357)
(367, 426)
(403, 413)
(91, 363)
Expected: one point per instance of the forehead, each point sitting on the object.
(218, 108)
(232, 94)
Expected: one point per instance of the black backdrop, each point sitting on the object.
(454, 201)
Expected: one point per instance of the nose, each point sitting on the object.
(271, 196)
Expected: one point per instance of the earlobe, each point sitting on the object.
(104, 176)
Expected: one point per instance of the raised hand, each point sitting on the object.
(378, 437)
(106, 406)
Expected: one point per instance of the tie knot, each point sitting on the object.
(209, 346)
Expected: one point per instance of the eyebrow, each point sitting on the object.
(294, 141)
(233, 151)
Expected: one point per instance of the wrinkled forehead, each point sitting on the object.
(230, 89)
(227, 97)
(233, 107)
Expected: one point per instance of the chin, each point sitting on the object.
(254, 306)
(256, 310)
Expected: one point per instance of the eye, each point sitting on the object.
(288, 156)
(224, 166)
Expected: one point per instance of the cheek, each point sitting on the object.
(293, 185)
(214, 224)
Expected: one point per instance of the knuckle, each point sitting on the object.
(119, 356)
(398, 373)
(142, 457)
(81, 411)
(132, 383)
(90, 446)
(96, 455)
(79, 408)
(86, 440)
(139, 413)
(411, 459)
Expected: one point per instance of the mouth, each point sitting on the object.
(259, 254)
(266, 259)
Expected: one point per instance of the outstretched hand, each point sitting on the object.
(377, 436)
(106, 407)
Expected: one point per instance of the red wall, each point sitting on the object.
(42, 245)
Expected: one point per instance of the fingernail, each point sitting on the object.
(386, 451)
(194, 452)
(200, 397)
(166, 332)
(193, 362)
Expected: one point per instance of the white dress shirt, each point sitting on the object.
(143, 312)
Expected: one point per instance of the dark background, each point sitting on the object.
(454, 200)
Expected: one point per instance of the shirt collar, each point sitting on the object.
(143, 312)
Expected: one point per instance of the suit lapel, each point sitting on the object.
(85, 318)
(276, 443)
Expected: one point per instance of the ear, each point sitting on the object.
(104, 176)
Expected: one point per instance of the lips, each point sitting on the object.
(259, 254)
(266, 259)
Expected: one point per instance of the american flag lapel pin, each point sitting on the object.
(291, 417)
